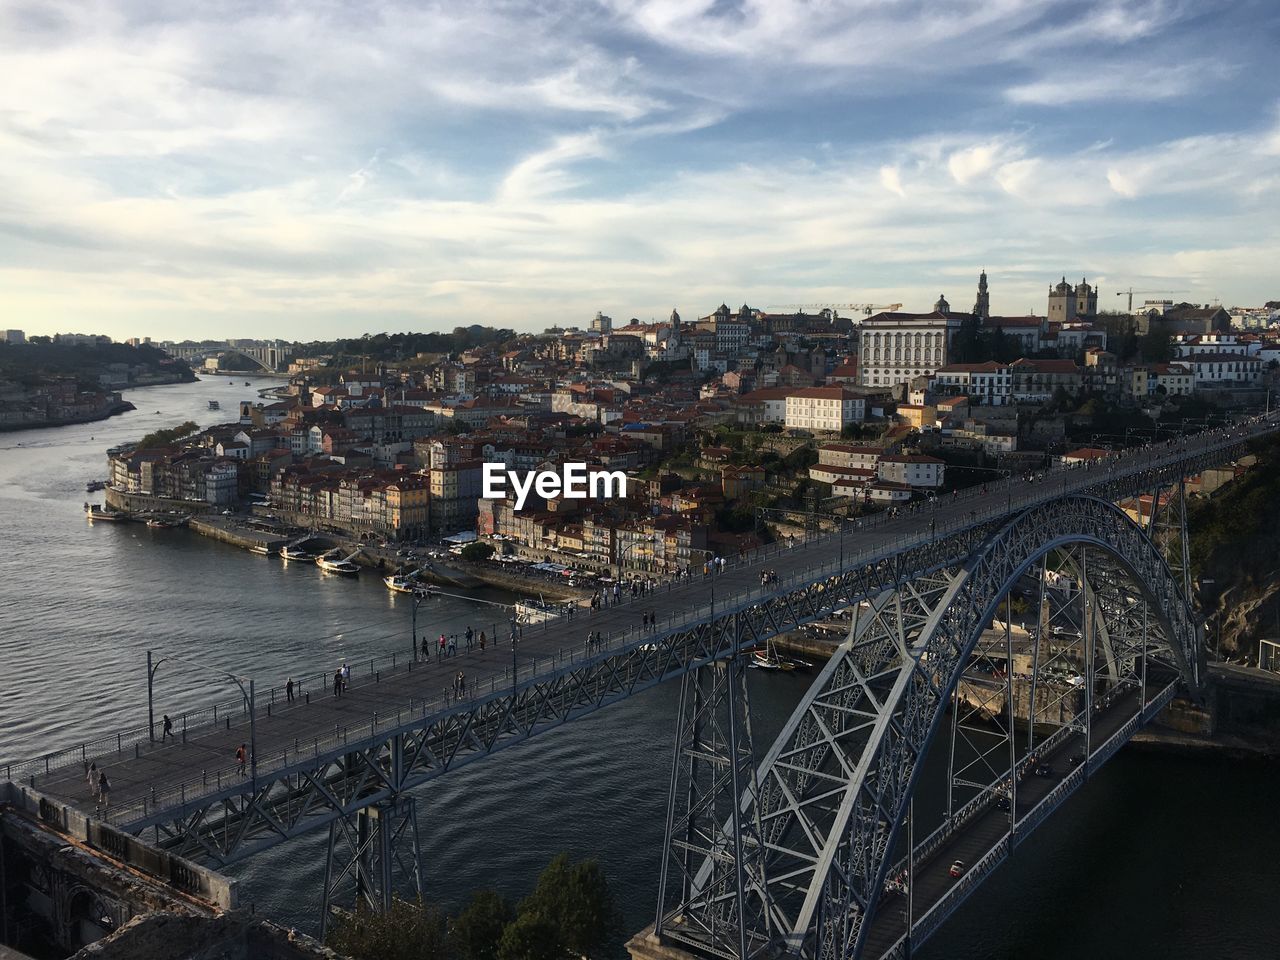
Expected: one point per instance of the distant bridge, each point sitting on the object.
(270, 357)
(810, 852)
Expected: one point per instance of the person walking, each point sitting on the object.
(470, 634)
(337, 682)
(462, 684)
(92, 777)
(346, 677)
(426, 649)
(444, 647)
(482, 641)
(288, 690)
(453, 644)
(104, 790)
(167, 731)
(241, 757)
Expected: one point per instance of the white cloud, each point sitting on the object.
(891, 180)
(1146, 80)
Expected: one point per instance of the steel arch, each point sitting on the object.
(834, 788)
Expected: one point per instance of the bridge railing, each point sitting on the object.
(221, 714)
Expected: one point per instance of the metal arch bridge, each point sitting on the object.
(269, 358)
(811, 852)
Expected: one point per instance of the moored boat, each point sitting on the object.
(329, 565)
(296, 553)
(401, 584)
(261, 549)
(97, 513)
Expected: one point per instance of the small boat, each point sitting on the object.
(768, 659)
(296, 553)
(96, 513)
(397, 584)
(161, 523)
(93, 486)
(261, 549)
(247, 383)
(345, 567)
(213, 405)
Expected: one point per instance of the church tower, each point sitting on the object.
(982, 306)
(1086, 300)
(942, 306)
(1062, 302)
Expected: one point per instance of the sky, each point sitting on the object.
(318, 169)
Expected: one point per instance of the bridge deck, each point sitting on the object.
(983, 833)
(204, 763)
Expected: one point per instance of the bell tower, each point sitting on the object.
(982, 306)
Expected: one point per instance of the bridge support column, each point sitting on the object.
(368, 852)
(710, 821)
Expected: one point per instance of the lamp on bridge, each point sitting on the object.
(246, 692)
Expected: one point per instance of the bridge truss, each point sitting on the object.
(815, 844)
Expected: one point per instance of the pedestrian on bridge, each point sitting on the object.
(288, 690)
(92, 777)
(241, 756)
(426, 649)
(167, 731)
(337, 682)
(104, 790)
(470, 635)
(453, 644)
(482, 638)
(444, 647)
(346, 677)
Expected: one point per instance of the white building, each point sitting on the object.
(849, 455)
(824, 408)
(990, 383)
(895, 347)
(220, 483)
(1177, 379)
(1225, 369)
(1192, 346)
(915, 470)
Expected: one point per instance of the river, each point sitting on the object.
(1160, 857)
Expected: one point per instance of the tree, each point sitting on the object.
(408, 931)
(477, 552)
(532, 936)
(476, 932)
(577, 900)
(1156, 346)
(162, 438)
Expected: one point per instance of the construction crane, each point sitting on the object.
(1130, 292)
(867, 309)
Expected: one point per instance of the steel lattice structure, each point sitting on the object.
(818, 824)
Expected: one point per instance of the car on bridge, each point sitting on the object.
(957, 868)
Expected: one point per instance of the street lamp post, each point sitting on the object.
(248, 693)
(413, 650)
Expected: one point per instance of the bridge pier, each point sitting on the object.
(368, 851)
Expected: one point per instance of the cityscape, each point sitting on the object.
(480, 605)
